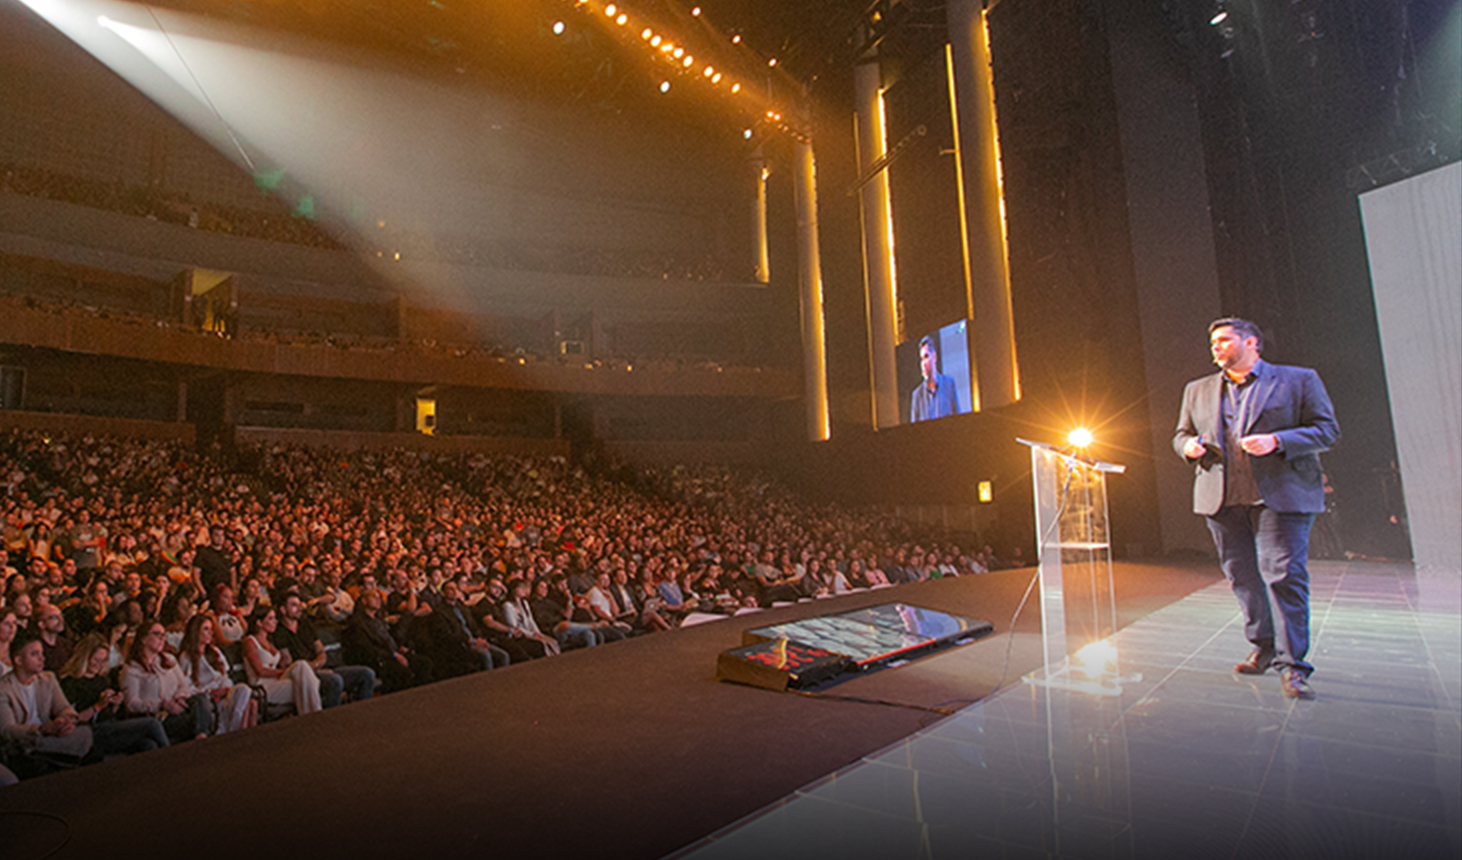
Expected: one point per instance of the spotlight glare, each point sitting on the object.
(716, 78)
(558, 28)
(736, 39)
(746, 133)
(736, 88)
(656, 40)
(610, 10)
(664, 86)
(667, 47)
(1219, 18)
(688, 61)
(646, 33)
(772, 61)
(709, 71)
(1080, 437)
(696, 11)
(622, 20)
(678, 52)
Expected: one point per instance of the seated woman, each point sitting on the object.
(9, 624)
(232, 704)
(176, 612)
(154, 684)
(522, 626)
(284, 679)
(225, 615)
(251, 597)
(92, 611)
(91, 688)
(126, 622)
(652, 605)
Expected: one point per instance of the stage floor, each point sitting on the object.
(635, 750)
(1191, 761)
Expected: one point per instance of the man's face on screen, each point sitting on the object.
(928, 361)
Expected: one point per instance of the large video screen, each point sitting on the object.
(934, 374)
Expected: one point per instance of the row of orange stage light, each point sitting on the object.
(678, 55)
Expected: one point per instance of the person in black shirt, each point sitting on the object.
(367, 641)
(214, 562)
(297, 635)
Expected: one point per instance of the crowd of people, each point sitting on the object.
(154, 594)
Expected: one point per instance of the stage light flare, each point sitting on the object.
(987, 492)
(772, 62)
(746, 133)
(696, 11)
(611, 10)
(664, 86)
(736, 88)
(646, 33)
(1080, 438)
(709, 70)
(678, 52)
(1219, 18)
(1096, 658)
(558, 28)
(688, 62)
(736, 39)
(716, 78)
(655, 41)
(622, 19)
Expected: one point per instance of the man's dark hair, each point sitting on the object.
(1244, 328)
(23, 638)
(928, 340)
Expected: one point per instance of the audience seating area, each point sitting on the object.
(179, 594)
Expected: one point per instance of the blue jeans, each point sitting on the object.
(1264, 555)
(358, 681)
(581, 633)
(125, 737)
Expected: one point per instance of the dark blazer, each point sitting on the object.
(1289, 402)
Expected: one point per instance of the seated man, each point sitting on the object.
(34, 714)
(54, 642)
(296, 635)
(367, 641)
(463, 644)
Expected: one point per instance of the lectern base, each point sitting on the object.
(1082, 679)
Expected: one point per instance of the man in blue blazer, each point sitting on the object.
(1254, 432)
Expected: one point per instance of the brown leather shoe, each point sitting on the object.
(1257, 663)
(1295, 685)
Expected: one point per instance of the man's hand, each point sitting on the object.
(1259, 444)
(59, 727)
(1196, 447)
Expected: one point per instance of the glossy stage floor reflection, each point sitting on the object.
(1190, 761)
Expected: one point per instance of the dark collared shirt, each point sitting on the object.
(1236, 403)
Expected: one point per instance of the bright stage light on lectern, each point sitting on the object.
(1079, 438)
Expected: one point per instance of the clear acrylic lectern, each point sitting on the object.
(1078, 608)
(1080, 684)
